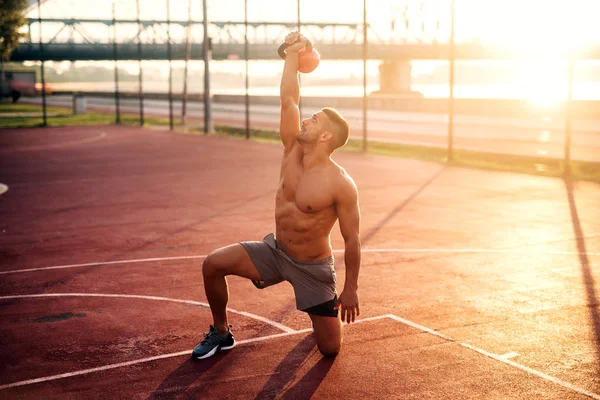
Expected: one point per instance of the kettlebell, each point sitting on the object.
(308, 58)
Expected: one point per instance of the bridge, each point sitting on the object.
(78, 39)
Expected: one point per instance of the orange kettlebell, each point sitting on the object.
(308, 58)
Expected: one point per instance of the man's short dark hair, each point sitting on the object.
(341, 128)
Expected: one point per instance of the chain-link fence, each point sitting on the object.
(446, 74)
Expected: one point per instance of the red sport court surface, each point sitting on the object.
(473, 285)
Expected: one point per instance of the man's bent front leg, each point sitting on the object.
(217, 293)
(230, 260)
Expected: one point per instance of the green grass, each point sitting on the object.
(586, 171)
(63, 116)
(255, 134)
(19, 108)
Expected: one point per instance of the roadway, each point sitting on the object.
(542, 136)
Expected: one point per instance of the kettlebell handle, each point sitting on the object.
(285, 45)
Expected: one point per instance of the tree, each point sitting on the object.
(12, 18)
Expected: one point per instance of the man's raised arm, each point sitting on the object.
(289, 92)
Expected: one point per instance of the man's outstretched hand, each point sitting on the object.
(348, 301)
(291, 39)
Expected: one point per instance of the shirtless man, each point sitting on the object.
(313, 193)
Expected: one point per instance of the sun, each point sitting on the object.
(543, 82)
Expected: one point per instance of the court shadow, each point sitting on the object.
(306, 387)
(286, 371)
(588, 279)
(399, 208)
(178, 381)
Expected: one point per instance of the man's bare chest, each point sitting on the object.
(310, 191)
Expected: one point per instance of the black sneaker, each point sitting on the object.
(212, 343)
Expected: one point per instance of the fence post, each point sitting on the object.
(568, 116)
(117, 107)
(44, 114)
(247, 80)
(141, 91)
(206, 47)
(2, 80)
(169, 56)
(450, 156)
(188, 50)
(365, 100)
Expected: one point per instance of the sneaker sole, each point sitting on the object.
(229, 347)
(213, 351)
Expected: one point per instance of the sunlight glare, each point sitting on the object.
(543, 82)
(539, 27)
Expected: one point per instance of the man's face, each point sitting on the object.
(312, 128)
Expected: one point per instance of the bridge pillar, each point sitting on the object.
(395, 77)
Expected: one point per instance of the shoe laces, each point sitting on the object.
(212, 337)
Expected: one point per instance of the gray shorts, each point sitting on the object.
(313, 281)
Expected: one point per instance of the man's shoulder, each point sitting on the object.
(343, 176)
(344, 184)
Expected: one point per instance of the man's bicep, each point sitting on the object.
(349, 215)
(290, 122)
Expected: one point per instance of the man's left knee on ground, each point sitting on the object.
(330, 349)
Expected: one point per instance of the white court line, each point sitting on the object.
(289, 331)
(501, 358)
(95, 264)
(257, 339)
(420, 327)
(141, 360)
(446, 251)
(533, 372)
(23, 149)
(509, 355)
(457, 251)
(133, 296)
(160, 357)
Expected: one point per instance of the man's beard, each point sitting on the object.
(301, 137)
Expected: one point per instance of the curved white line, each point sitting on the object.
(141, 360)
(163, 356)
(94, 264)
(135, 296)
(442, 251)
(3, 188)
(101, 136)
(258, 339)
